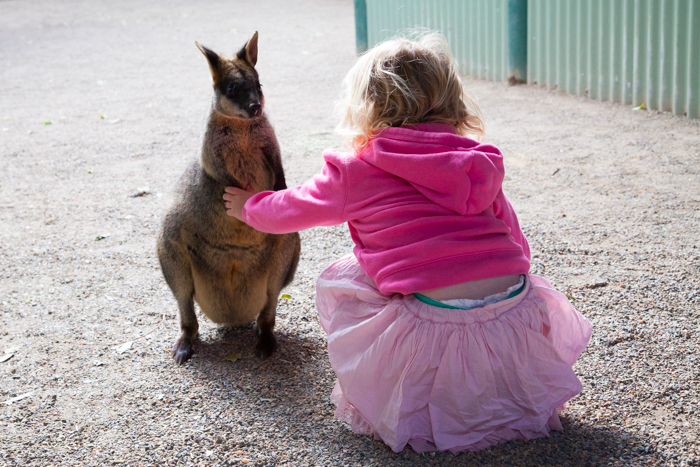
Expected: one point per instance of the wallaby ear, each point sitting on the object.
(212, 58)
(249, 53)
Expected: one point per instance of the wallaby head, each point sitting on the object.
(237, 89)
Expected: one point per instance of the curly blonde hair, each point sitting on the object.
(405, 82)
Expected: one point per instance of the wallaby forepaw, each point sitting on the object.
(266, 345)
(182, 350)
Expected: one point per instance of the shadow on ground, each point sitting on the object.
(287, 388)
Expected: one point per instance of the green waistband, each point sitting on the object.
(432, 302)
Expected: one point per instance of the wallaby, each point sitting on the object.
(232, 271)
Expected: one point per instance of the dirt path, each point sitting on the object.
(102, 106)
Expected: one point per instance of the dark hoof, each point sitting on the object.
(182, 350)
(266, 345)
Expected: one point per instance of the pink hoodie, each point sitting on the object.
(424, 207)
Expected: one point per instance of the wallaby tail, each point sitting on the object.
(293, 263)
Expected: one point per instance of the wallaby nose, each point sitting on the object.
(255, 108)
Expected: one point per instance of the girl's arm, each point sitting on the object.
(320, 201)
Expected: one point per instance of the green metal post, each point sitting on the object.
(517, 41)
(361, 25)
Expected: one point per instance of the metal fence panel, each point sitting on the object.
(476, 30)
(636, 52)
(629, 51)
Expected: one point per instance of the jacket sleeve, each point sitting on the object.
(318, 202)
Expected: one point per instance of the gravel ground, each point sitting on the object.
(103, 106)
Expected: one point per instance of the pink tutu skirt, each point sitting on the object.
(443, 379)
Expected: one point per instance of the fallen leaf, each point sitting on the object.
(141, 192)
(233, 357)
(18, 398)
(287, 296)
(101, 237)
(121, 348)
(639, 107)
(597, 283)
(47, 122)
(570, 297)
(6, 357)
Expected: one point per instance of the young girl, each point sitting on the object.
(438, 335)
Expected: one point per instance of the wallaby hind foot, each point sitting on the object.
(183, 349)
(266, 344)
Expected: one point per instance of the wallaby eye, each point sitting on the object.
(259, 87)
(231, 89)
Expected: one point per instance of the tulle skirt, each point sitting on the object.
(444, 379)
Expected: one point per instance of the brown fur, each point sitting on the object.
(232, 271)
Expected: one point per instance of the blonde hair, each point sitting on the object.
(405, 82)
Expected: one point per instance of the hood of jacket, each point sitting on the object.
(452, 171)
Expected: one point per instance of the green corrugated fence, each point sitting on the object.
(636, 52)
(629, 51)
(475, 29)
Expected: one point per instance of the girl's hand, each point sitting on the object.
(235, 200)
